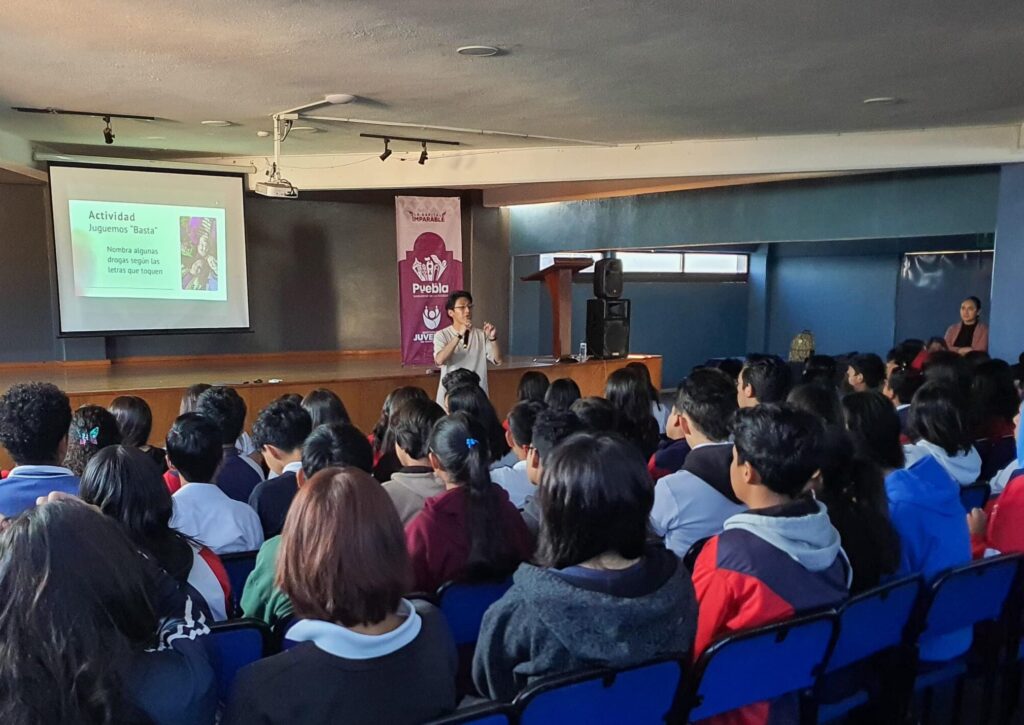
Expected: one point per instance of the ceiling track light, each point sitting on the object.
(423, 155)
(108, 134)
(387, 151)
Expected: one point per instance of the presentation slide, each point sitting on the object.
(148, 251)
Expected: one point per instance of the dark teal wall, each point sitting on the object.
(1007, 320)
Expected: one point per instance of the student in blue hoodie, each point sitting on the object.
(938, 425)
(924, 504)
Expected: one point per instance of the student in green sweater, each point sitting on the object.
(339, 444)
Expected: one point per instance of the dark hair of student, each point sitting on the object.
(561, 394)
(596, 414)
(127, 486)
(994, 398)
(343, 557)
(768, 375)
(729, 365)
(853, 490)
(34, 419)
(645, 377)
(337, 444)
(821, 369)
(324, 406)
(458, 377)
(383, 440)
(92, 429)
(191, 396)
(871, 367)
(938, 416)
(626, 391)
(595, 496)
(532, 386)
(708, 397)
(283, 424)
(552, 427)
(412, 423)
(940, 341)
(460, 443)
(473, 400)
(134, 419)
(194, 447)
(904, 383)
(454, 297)
(225, 407)
(75, 608)
(874, 428)
(521, 419)
(781, 443)
(818, 400)
(288, 398)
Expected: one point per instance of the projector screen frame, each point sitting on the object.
(52, 251)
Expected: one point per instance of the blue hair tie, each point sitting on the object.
(471, 442)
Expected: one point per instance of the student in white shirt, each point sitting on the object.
(519, 436)
(203, 511)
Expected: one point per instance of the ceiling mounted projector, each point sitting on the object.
(277, 190)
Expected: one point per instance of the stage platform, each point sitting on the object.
(362, 379)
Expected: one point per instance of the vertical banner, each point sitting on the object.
(429, 269)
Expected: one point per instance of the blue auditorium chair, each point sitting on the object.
(238, 566)
(491, 713)
(974, 496)
(464, 603)
(235, 644)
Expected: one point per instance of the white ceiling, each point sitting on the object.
(604, 70)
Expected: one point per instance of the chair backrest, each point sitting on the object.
(963, 596)
(874, 621)
(641, 694)
(996, 454)
(489, 714)
(974, 496)
(235, 644)
(463, 605)
(238, 566)
(759, 664)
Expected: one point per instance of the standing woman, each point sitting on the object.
(970, 333)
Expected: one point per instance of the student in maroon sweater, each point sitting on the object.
(472, 530)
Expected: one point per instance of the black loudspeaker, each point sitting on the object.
(608, 279)
(607, 328)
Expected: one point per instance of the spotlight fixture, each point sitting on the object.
(387, 151)
(108, 134)
(423, 154)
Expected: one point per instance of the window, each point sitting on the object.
(699, 263)
(667, 264)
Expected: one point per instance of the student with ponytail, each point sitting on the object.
(472, 530)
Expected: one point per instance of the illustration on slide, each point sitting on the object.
(198, 253)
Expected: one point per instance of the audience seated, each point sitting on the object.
(599, 595)
(339, 445)
(385, 461)
(365, 654)
(532, 386)
(993, 401)
(561, 394)
(125, 485)
(900, 387)
(514, 479)
(658, 410)
(34, 423)
(1002, 532)
(238, 474)
(549, 429)
(865, 371)
(415, 482)
(471, 531)
(325, 407)
(188, 405)
(88, 631)
(783, 556)
(818, 400)
(695, 502)
(278, 433)
(202, 511)
(820, 369)
(135, 421)
(92, 429)
(762, 379)
(938, 427)
(460, 376)
(924, 503)
(596, 414)
(473, 400)
(626, 390)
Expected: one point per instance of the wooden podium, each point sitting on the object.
(559, 281)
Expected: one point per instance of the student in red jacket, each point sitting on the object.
(471, 530)
(1001, 532)
(783, 556)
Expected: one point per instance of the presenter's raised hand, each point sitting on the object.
(490, 331)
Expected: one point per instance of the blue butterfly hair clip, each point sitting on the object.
(471, 442)
(92, 436)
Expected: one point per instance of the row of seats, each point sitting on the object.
(809, 655)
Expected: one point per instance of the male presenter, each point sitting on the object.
(460, 345)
